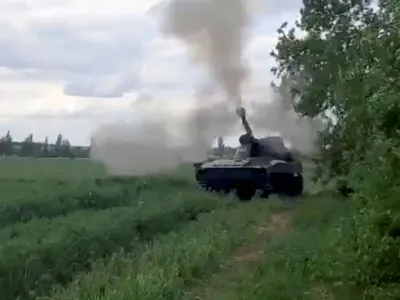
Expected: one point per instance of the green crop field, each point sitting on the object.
(69, 231)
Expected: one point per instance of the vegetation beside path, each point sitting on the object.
(169, 240)
(162, 238)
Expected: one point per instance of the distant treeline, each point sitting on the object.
(222, 150)
(30, 148)
(63, 148)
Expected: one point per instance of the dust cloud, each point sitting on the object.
(300, 133)
(161, 138)
(215, 33)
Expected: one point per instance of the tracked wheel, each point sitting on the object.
(265, 194)
(213, 188)
(295, 187)
(245, 193)
(287, 184)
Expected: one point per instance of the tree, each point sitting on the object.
(6, 147)
(65, 148)
(28, 146)
(348, 62)
(46, 147)
(8, 144)
(328, 72)
(58, 144)
(220, 146)
(2, 146)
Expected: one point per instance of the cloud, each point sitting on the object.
(83, 62)
(106, 86)
(82, 43)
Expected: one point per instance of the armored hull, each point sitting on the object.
(246, 176)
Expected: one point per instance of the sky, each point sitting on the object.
(69, 66)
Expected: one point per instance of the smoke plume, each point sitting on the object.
(214, 32)
(300, 132)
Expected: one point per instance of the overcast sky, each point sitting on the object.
(67, 66)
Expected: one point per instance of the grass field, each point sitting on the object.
(68, 231)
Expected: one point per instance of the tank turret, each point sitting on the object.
(272, 146)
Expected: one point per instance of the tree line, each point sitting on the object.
(30, 148)
(222, 150)
(348, 62)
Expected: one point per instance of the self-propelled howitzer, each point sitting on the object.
(263, 164)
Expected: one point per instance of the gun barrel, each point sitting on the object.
(242, 114)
